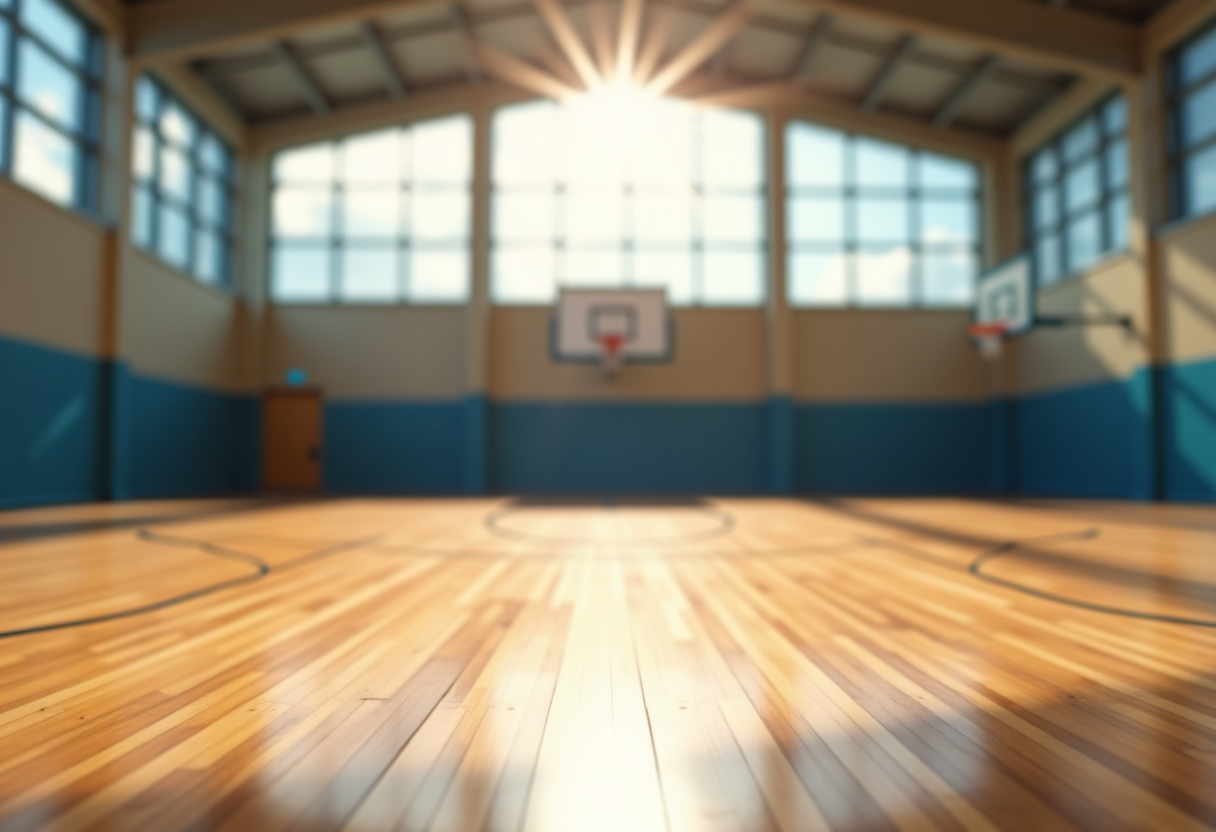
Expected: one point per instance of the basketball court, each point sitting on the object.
(607, 415)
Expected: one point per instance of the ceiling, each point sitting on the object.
(691, 48)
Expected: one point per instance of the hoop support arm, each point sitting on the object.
(1124, 321)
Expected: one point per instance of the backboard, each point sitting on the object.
(1005, 294)
(634, 324)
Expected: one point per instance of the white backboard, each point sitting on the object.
(1006, 294)
(638, 316)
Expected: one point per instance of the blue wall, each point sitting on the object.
(1188, 404)
(396, 447)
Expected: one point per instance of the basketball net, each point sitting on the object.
(612, 344)
(989, 339)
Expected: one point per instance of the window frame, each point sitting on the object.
(1177, 152)
(89, 74)
(229, 182)
(851, 193)
(1031, 188)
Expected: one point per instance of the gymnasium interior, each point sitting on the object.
(615, 415)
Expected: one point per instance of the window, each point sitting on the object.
(870, 223)
(50, 75)
(1077, 207)
(622, 190)
(1192, 90)
(184, 187)
(380, 217)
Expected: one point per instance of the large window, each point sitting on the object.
(183, 196)
(1077, 207)
(628, 191)
(50, 68)
(875, 224)
(380, 217)
(1192, 90)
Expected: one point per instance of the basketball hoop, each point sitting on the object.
(611, 344)
(989, 338)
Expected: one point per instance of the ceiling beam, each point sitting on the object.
(627, 39)
(468, 44)
(309, 90)
(390, 75)
(724, 27)
(569, 41)
(522, 74)
(815, 41)
(877, 92)
(954, 105)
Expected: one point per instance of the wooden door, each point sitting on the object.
(291, 440)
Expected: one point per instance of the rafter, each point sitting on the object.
(390, 76)
(724, 27)
(877, 92)
(815, 41)
(522, 74)
(468, 44)
(309, 90)
(568, 39)
(627, 38)
(954, 105)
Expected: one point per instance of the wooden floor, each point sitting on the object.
(733, 665)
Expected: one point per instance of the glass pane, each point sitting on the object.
(441, 215)
(732, 149)
(661, 218)
(592, 147)
(525, 148)
(596, 216)
(667, 269)
(1084, 241)
(1044, 166)
(817, 219)
(1080, 140)
(176, 125)
(439, 275)
(1114, 116)
(593, 267)
(883, 220)
(143, 153)
(1198, 59)
(214, 155)
(173, 236)
(369, 275)
(1118, 218)
(146, 96)
(371, 213)
(51, 22)
(947, 278)
(1046, 206)
(5, 44)
(1116, 166)
(208, 246)
(45, 160)
(943, 172)
(175, 174)
(213, 201)
(736, 219)
(948, 221)
(372, 159)
(3, 132)
(819, 278)
(141, 217)
(815, 156)
(1081, 186)
(664, 152)
(1200, 173)
(524, 216)
(314, 163)
(880, 164)
(732, 278)
(49, 87)
(303, 212)
(884, 276)
(443, 151)
(300, 273)
(1199, 114)
(1048, 267)
(524, 275)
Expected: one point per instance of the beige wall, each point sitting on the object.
(850, 355)
(367, 352)
(53, 274)
(1188, 265)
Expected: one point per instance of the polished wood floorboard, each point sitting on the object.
(368, 665)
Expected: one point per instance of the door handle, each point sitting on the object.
(314, 454)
